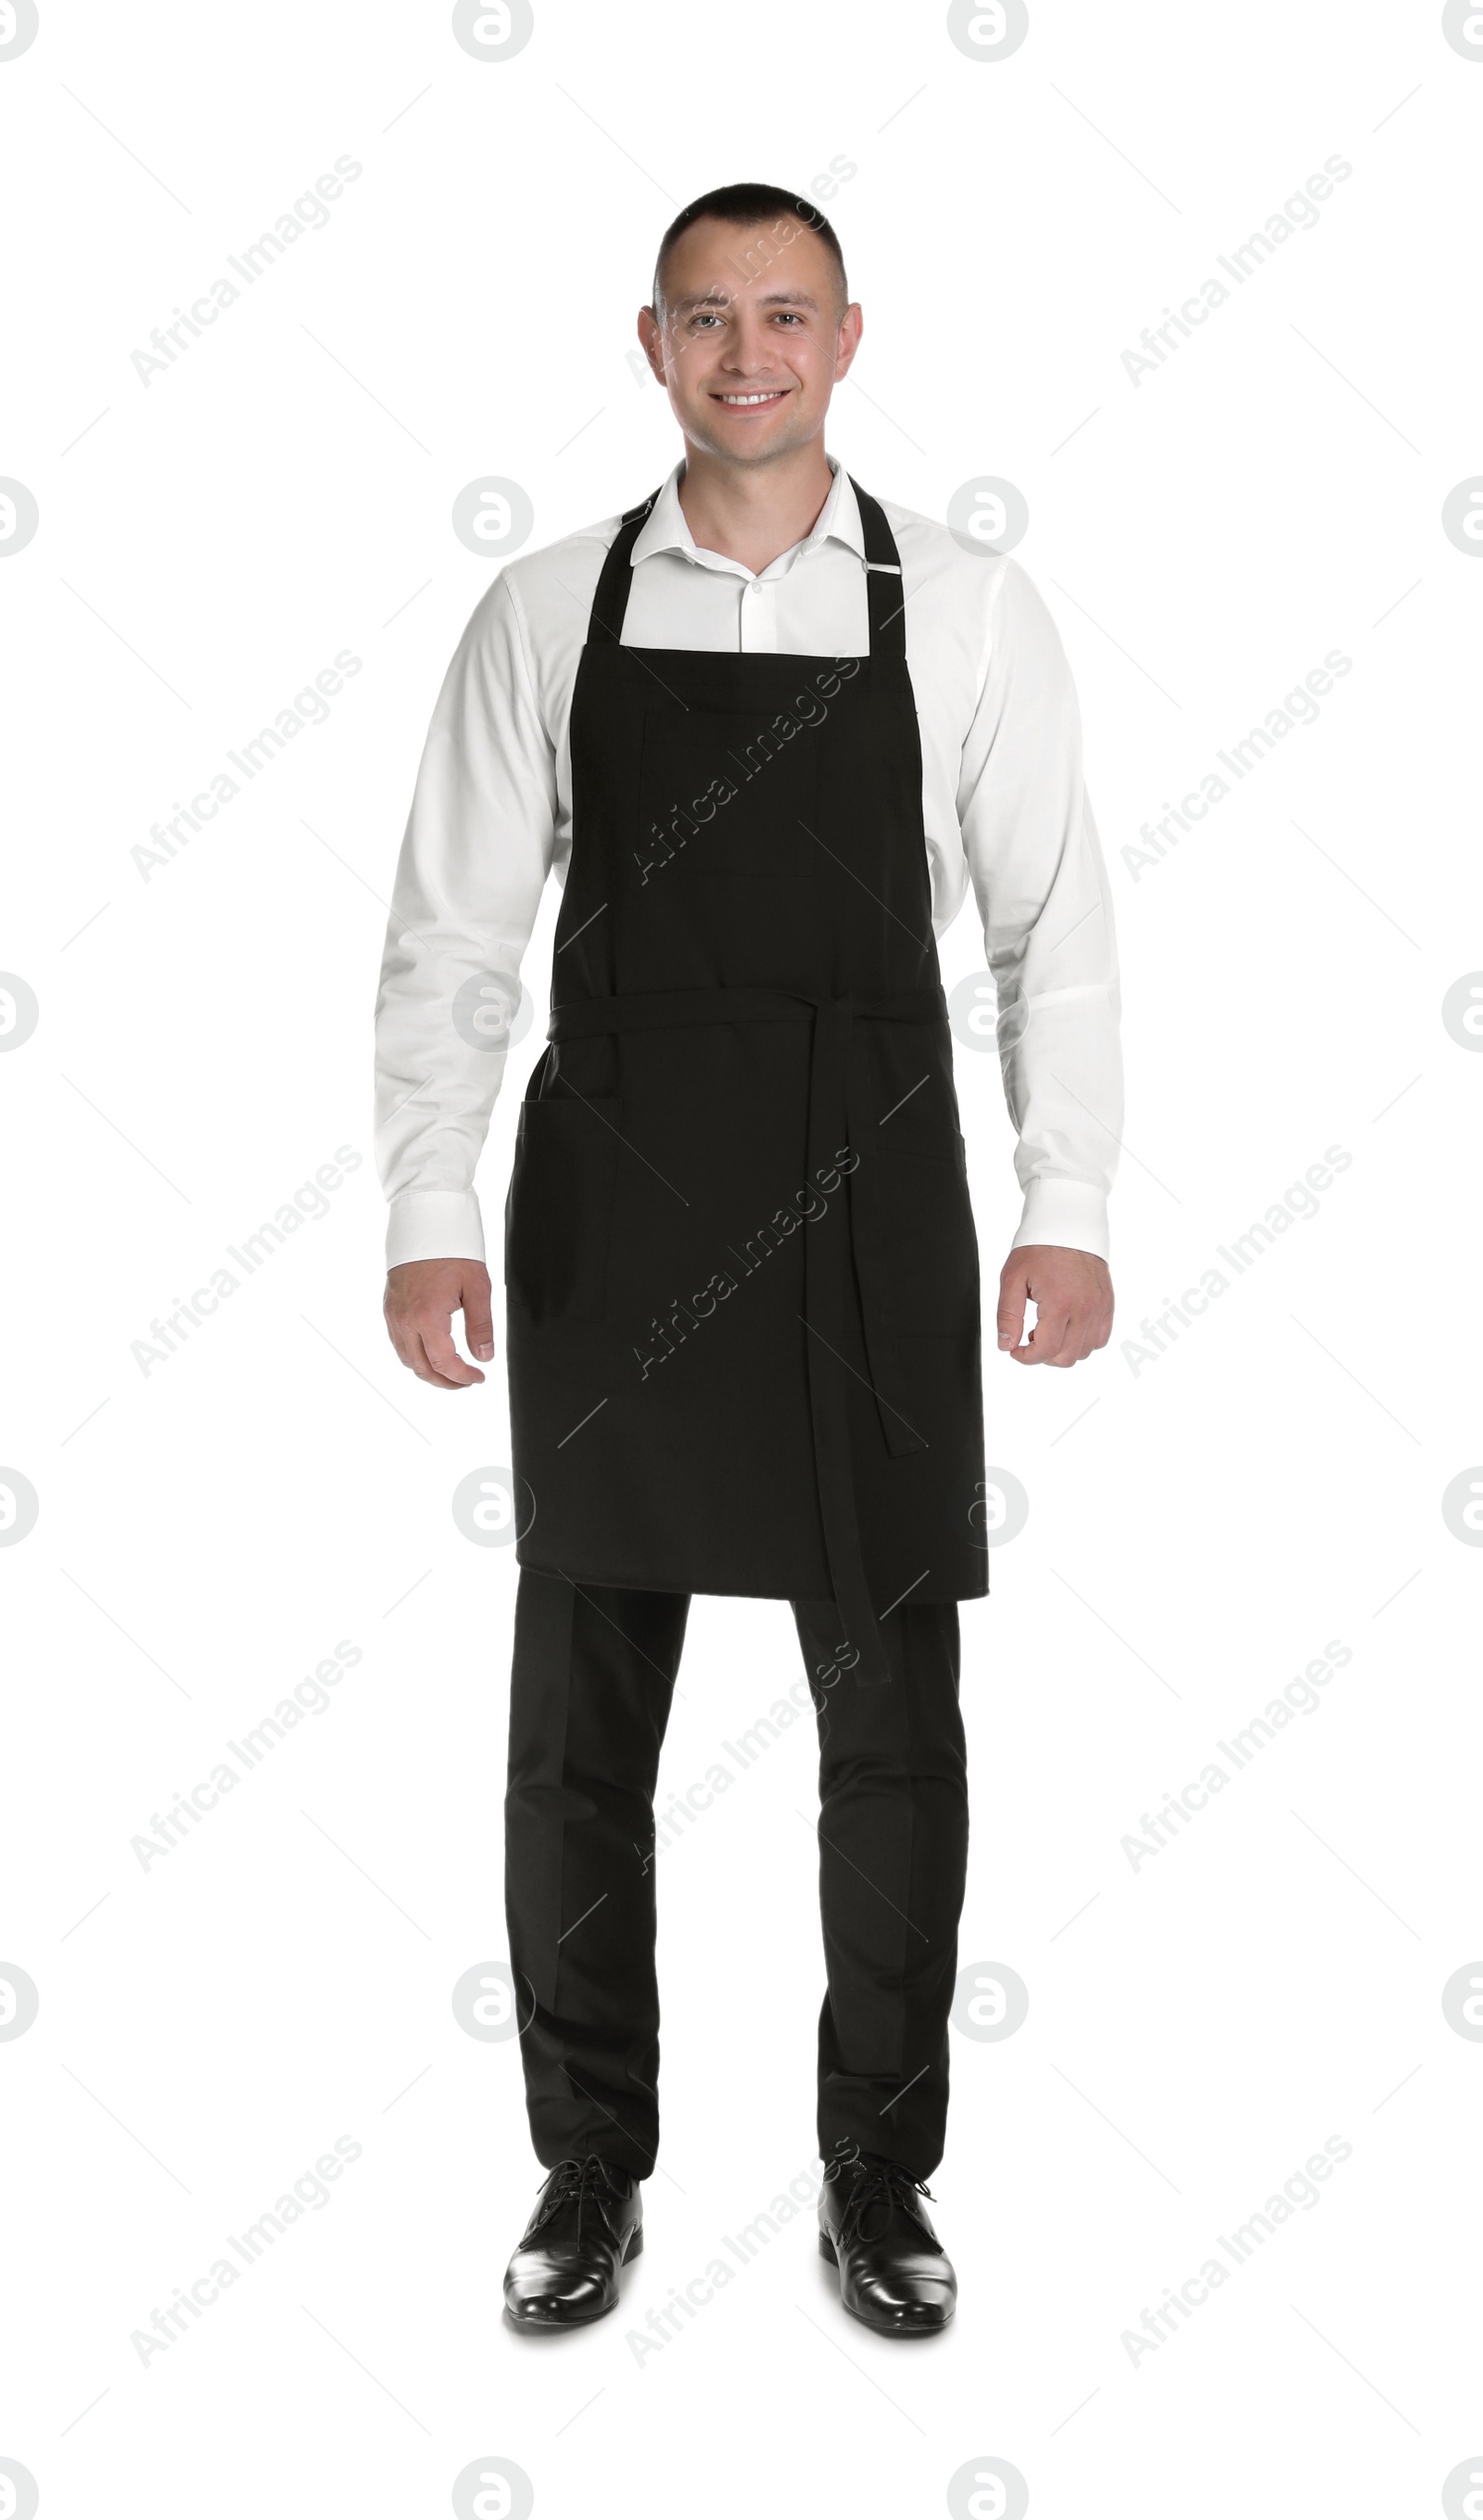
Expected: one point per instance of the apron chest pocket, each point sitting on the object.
(558, 1212)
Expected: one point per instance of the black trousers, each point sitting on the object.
(594, 1673)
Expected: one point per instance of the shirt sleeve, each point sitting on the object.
(477, 849)
(1041, 885)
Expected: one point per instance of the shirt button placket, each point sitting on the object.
(759, 617)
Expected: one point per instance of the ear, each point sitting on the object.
(851, 326)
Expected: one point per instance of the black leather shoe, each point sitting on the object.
(894, 2272)
(588, 2222)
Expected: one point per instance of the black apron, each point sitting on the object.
(741, 1276)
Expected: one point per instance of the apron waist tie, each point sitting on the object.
(825, 1265)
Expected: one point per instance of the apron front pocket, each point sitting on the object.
(558, 1211)
(919, 1267)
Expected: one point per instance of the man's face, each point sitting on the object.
(753, 337)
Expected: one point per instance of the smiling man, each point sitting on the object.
(769, 731)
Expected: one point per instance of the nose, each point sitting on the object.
(749, 353)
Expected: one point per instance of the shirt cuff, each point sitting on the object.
(435, 1225)
(1072, 1214)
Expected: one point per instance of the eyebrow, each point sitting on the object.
(727, 297)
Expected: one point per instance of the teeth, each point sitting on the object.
(757, 398)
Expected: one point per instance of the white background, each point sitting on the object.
(1200, 1529)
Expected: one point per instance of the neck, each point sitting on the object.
(751, 513)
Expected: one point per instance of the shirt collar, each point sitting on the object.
(665, 527)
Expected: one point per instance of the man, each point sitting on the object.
(768, 730)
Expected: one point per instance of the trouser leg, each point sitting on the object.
(893, 1839)
(589, 1699)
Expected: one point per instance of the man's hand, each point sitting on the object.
(1072, 1295)
(421, 1297)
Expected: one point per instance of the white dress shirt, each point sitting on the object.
(1004, 807)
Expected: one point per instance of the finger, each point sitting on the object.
(1046, 1339)
(1073, 1344)
(448, 1367)
(478, 1322)
(402, 1331)
(1085, 1339)
(1012, 1293)
(427, 1370)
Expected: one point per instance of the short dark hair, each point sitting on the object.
(746, 205)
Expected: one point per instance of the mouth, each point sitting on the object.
(752, 402)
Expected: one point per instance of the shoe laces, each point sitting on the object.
(580, 2181)
(878, 2187)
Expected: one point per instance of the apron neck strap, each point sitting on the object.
(885, 588)
(610, 601)
(883, 582)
